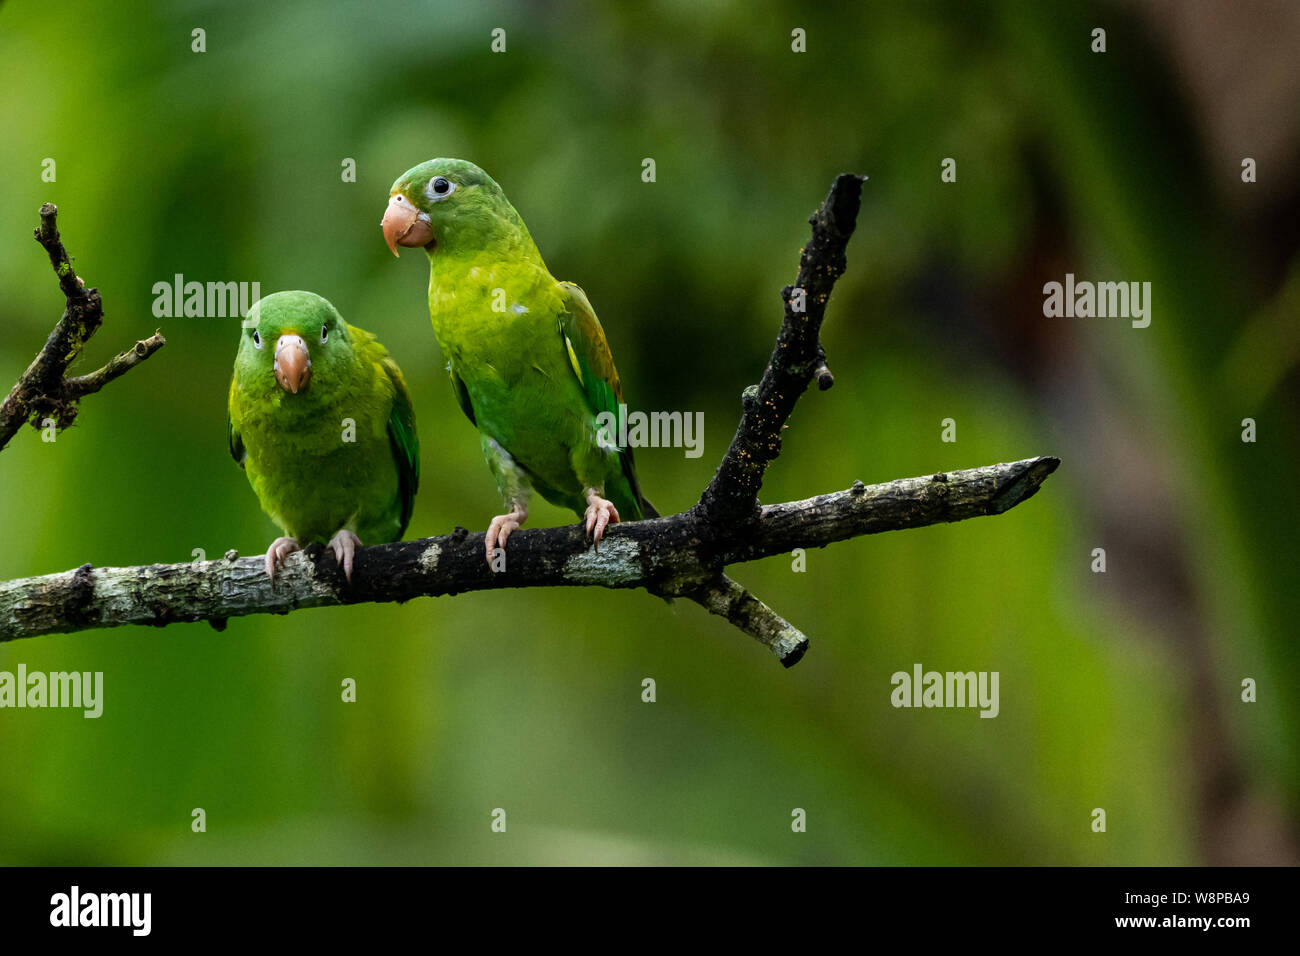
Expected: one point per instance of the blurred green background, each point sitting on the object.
(1118, 690)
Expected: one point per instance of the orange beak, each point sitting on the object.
(292, 363)
(403, 225)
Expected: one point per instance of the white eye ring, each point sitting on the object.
(257, 339)
(324, 333)
(439, 196)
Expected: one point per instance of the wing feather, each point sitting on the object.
(593, 364)
(405, 441)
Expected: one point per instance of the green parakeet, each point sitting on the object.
(321, 422)
(527, 356)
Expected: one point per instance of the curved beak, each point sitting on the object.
(292, 363)
(404, 225)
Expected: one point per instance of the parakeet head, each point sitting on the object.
(448, 203)
(289, 339)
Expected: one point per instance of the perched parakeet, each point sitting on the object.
(322, 423)
(527, 356)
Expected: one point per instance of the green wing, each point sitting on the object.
(462, 395)
(404, 440)
(233, 438)
(589, 351)
(593, 364)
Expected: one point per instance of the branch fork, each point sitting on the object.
(43, 393)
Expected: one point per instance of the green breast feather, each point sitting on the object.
(342, 450)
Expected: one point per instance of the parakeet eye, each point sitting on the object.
(324, 333)
(257, 339)
(440, 187)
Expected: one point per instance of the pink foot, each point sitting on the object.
(501, 527)
(280, 549)
(599, 514)
(344, 545)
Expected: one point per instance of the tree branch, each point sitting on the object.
(732, 495)
(121, 363)
(43, 391)
(682, 555)
(666, 556)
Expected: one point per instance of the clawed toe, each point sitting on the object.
(280, 549)
(344, 545)
(500, 529)
(600, 513)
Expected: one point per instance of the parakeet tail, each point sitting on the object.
(644, 509)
